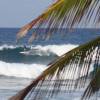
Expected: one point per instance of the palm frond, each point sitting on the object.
(68, 73)
(93, 87)
(65, 14)
(33, 37)
(38, 20)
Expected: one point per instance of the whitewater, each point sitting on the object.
(34, 69)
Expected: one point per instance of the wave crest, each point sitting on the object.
(21, 70)
(56, 49)
(26, 70)
(43, 50)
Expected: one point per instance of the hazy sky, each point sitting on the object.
(16, 13)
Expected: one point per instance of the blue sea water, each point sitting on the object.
(18, 69)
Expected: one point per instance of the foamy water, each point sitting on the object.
(31, 70)
(56, 49)
(21, 70)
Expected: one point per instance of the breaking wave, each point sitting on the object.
(14, 63)
(21, 70)
(53, 49)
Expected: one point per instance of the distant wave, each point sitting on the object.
(55, 49)
(21, 70)
(5, 46)
(12, 54)
(33, 54)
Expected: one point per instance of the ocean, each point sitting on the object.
(18, 69)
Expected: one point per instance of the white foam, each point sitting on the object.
(5, 46)
(45, 50)
(31, 70)
(56, 49)
(21, 70)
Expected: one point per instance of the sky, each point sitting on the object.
(16, 13)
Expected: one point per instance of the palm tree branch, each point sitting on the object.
(23, 31)
(67, 73)
(63, 13)
(93, 87)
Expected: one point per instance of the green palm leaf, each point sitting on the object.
(68, 73)
(65, 14)
(71, 70)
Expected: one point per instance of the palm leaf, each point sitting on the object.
(68, 73)
(65, 14)
(38, 20)
(93, 87)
